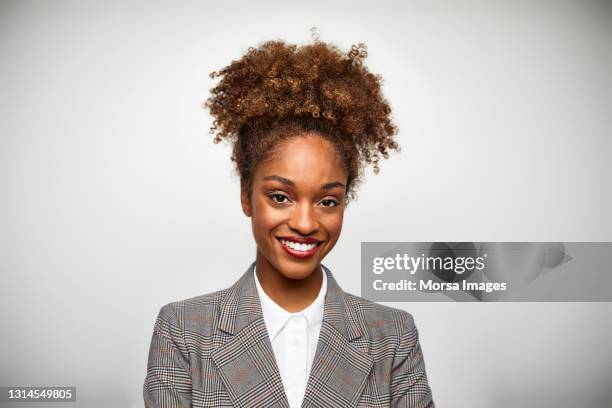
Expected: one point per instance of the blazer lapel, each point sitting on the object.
(246, 362)
(340, 368)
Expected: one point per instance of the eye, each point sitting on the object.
(278, 198)
(328, 202)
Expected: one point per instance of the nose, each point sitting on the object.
(303, 219)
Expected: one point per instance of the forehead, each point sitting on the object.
(304, 158)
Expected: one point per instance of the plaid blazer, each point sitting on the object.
(214, 351)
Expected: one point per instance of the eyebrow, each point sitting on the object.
(326, 186)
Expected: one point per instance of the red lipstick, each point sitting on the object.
(296, 253)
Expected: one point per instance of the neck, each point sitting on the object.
(293, 295)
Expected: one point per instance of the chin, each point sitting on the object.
(297, 272)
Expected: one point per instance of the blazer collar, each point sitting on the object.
(246, 362)
(242, 306)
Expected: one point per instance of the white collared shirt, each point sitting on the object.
(294, 339)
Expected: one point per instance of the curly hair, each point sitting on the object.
(280, 90)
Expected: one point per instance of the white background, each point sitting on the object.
(115, 201)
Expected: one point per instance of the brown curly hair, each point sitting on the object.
(280, 90)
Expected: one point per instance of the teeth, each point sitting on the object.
(298, 247)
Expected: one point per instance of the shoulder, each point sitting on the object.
(380, 320)
(198, 311)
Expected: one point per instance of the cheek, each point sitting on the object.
(333, 224)
(265, 220)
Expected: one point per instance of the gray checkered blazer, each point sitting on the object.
(214, 351)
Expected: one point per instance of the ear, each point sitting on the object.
(245, 199)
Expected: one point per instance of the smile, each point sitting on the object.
(297, 249)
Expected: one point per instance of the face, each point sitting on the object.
(298, 195)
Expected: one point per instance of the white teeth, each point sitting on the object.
(298, 247)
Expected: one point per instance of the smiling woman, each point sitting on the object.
(303, 121)
(298, 196)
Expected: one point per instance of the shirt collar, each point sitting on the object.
(276, 317)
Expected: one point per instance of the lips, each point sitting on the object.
(297, 253)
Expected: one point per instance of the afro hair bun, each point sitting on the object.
(278, 83)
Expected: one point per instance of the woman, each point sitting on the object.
(303, 121)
